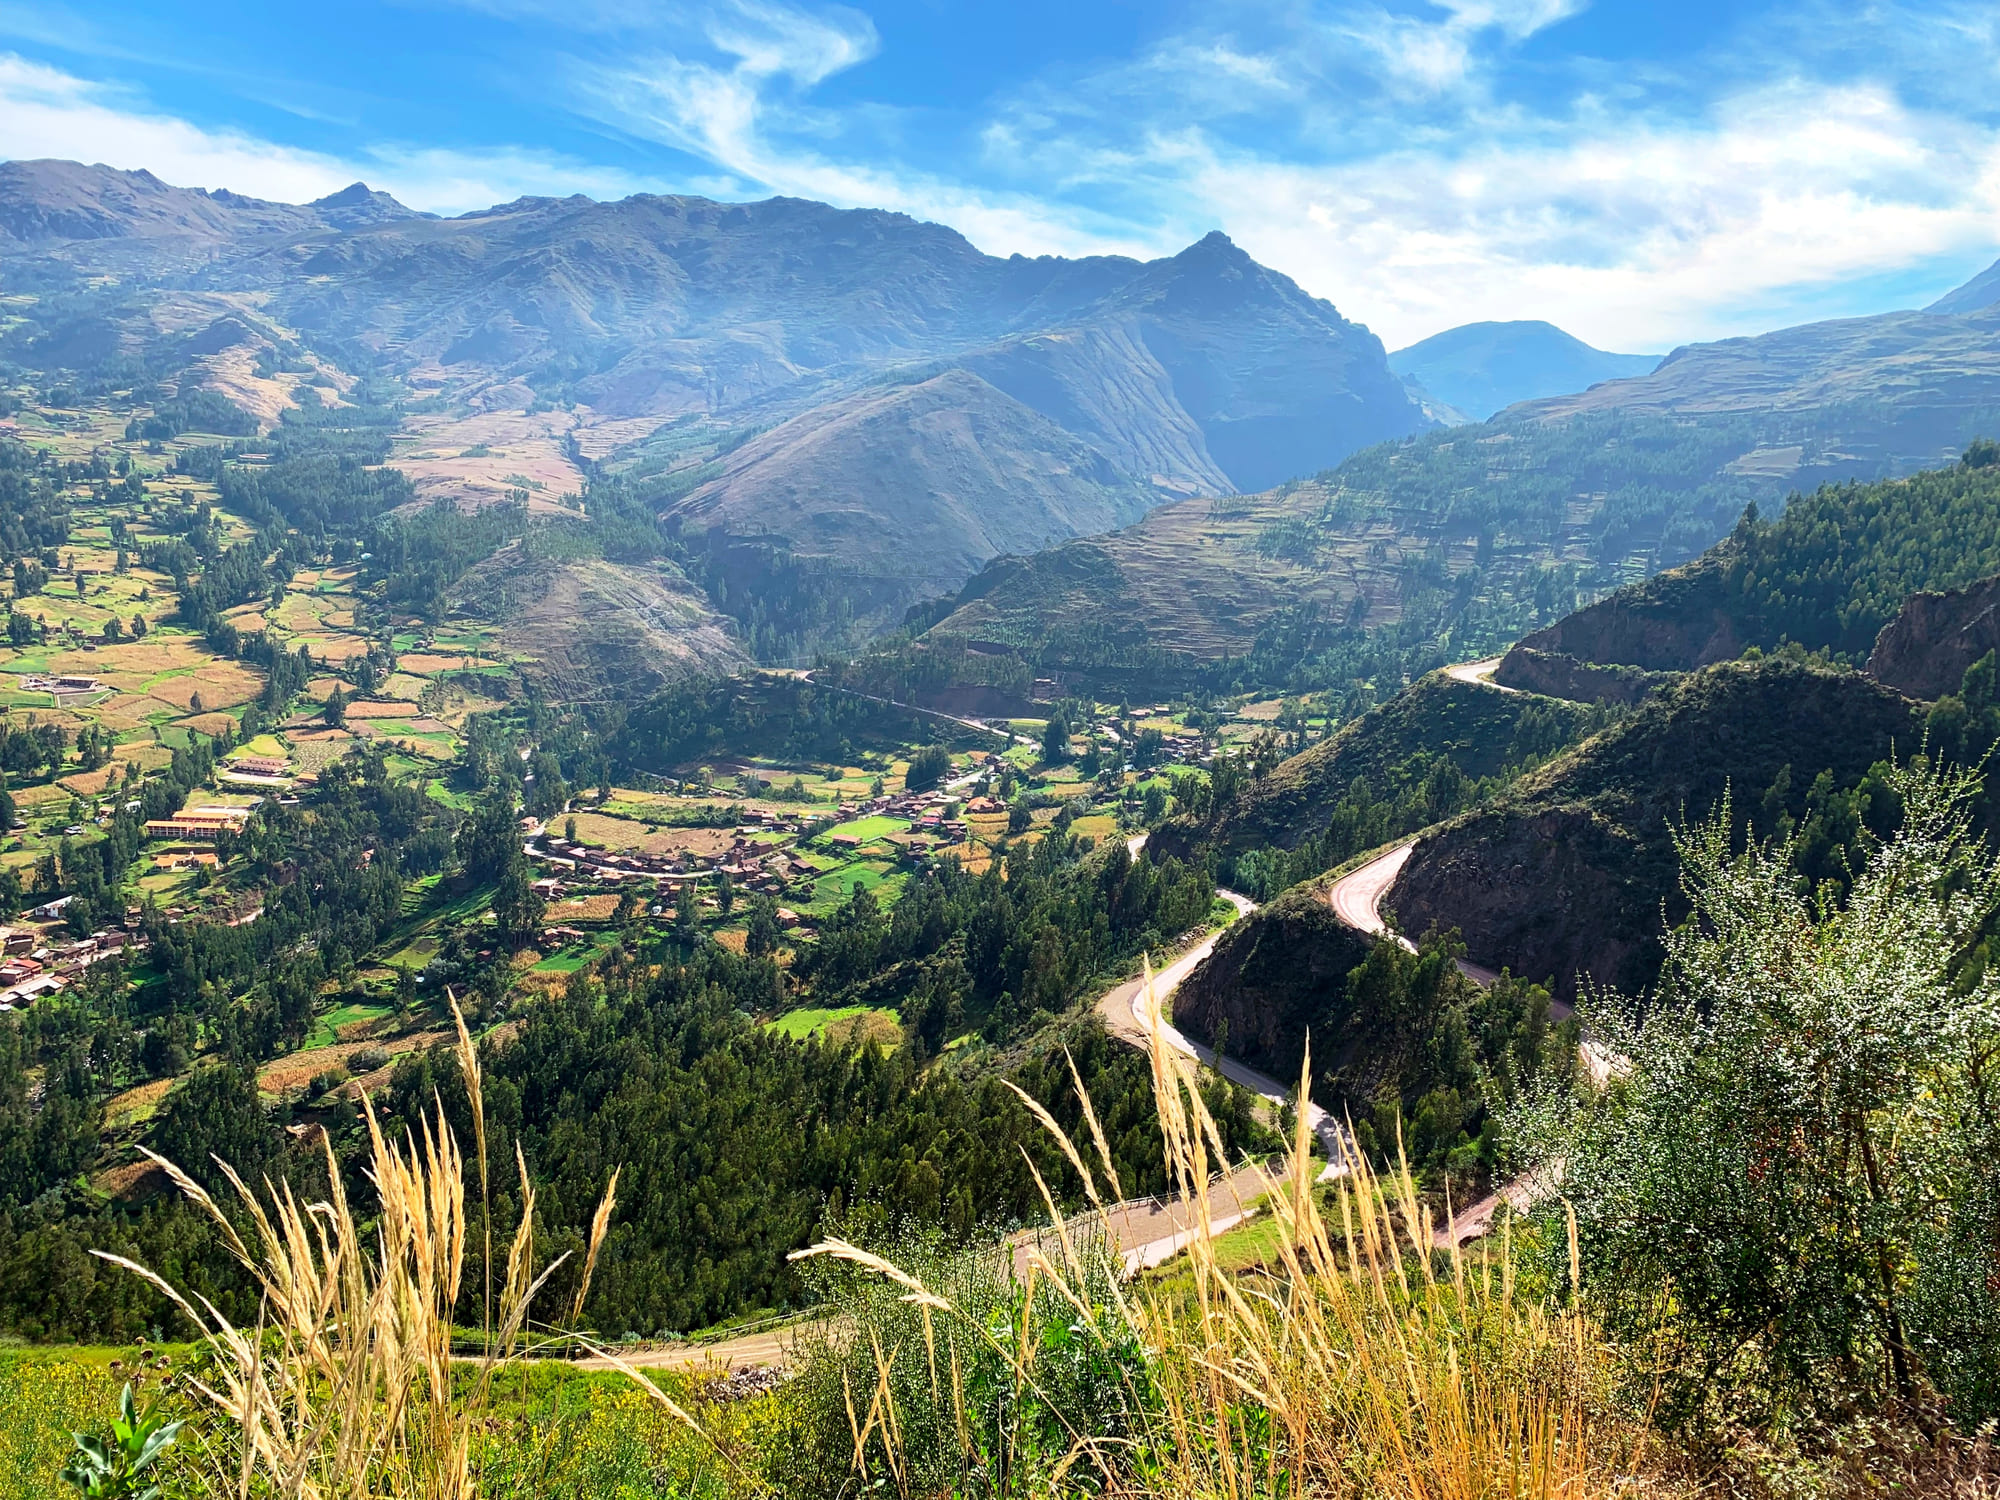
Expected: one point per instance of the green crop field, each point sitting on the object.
(859, 1020)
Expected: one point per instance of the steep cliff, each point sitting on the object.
(1556, 674)
(1925, 650)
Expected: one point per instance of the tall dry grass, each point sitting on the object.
(346, 1388)
(1361, 1363)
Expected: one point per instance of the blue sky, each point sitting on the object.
(1641, 173)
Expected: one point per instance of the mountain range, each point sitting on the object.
(1033, 400)
(1459, 540)
(870, 404)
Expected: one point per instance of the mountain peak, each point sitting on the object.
(1982, 291)
(358, 204)
(1215, 246)
(353, 195)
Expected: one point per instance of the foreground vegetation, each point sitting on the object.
(1822, 1325)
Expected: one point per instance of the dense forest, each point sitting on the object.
(737, 1145)
(1827, 573)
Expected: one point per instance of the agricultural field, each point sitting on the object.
(850, 1025)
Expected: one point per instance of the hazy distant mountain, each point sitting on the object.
(1483, 368)
(109, 220)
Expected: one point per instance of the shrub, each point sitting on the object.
(1787, 1198)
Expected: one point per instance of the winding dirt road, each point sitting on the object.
(1356, 898)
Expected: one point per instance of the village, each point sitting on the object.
(764, 853)
(41, 958)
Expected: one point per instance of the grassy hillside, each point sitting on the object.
(1432, 750)
(1860, 397)
(1566, 874)
(906, 490)
(1408, 555)
(1830, 572)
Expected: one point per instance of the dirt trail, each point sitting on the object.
(770, 1347)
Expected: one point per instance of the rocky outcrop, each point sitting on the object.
(1675, 622)
(1556, 674)
(1925, 650)
(1272, 978)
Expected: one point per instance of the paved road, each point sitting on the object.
(1127, 1015)
(773, 1346)
(1356, 899)
(1480, 672)
(1151, 1231)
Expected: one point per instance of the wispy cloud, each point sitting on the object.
(45, 112)
(1439, 53)
(742, 107)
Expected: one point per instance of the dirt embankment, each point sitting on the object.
(1925, 650)
(1272, 979)
(1555, 674)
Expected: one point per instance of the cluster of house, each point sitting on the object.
(748, 864)
(40, 960)
(754, 861)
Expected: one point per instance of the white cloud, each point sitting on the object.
(45, 112)
(777, 41)
(745, 116)
(1441, 54)
(1629, 236)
